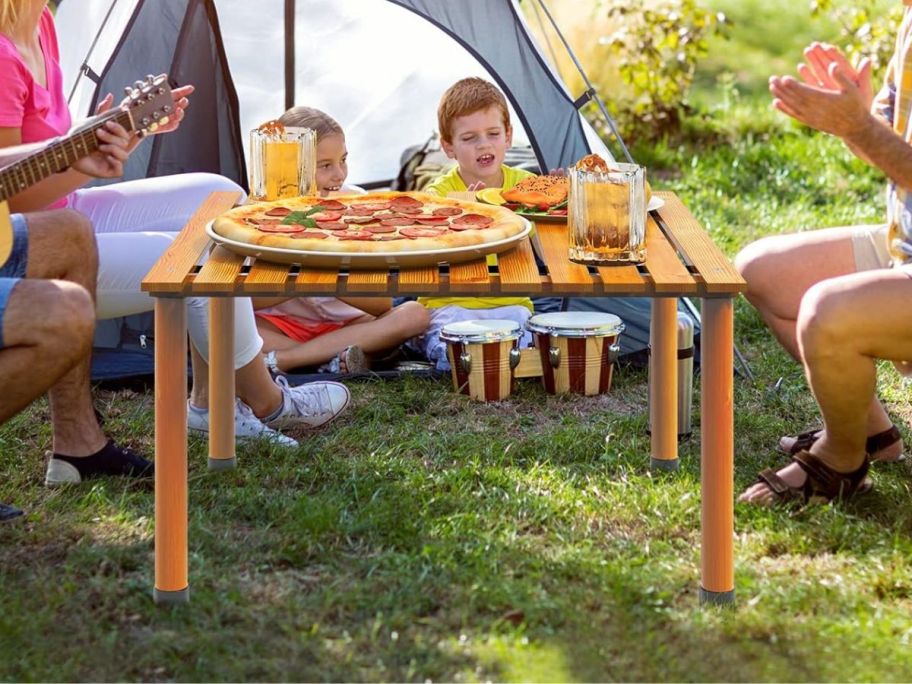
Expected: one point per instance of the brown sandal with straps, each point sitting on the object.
(822, 485)
(873, 444)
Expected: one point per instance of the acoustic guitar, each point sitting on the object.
(147, 107)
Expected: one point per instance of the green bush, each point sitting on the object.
(657, 46)
(867, 28)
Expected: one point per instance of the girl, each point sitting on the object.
(341, 333)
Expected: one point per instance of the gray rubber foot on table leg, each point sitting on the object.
(663, 463)
(222, 463)
(717, 598)
(171, 597)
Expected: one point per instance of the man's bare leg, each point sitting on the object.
(780, 269)
(62, 246)
(845, 324)
(47, 329)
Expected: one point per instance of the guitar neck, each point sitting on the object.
(58, 155)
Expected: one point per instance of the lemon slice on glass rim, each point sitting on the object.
(490, 196)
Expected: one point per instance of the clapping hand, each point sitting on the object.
(834, 97)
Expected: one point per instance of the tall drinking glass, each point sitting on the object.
(607, 215)
(283, 163)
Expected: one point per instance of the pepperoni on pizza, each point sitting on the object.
(377, 222)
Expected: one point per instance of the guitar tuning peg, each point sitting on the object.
(167, 109)
(150, 79)
(138, 85)
(128, 91)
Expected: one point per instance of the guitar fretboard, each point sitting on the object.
(57, 156)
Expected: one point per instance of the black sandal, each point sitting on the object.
(873, 444)
(822, 485)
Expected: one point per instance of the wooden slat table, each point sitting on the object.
(681, 261)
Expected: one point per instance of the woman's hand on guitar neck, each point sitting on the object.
(181, 100)
(113, 151)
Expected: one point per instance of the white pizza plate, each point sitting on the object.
(428, 257)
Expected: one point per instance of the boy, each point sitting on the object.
(475, 130)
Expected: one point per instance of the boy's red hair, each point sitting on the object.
(465, 97)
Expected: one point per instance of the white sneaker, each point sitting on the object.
(246, 425)
(313, 404)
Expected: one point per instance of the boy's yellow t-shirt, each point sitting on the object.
(451, 181)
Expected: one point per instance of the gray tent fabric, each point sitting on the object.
(186, 44)
(380, 69)
(495, 34)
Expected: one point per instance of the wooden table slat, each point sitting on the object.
(662, 262)
(422, 279)
(171, 272)
(518, 270)
(368, 281)
(566, 276)
(220, 273)
(623, 279)
(316, 281)
(266, 276)
(470, 276)
(716, 270)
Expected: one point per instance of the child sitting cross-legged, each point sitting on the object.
(475, 130)
(337, 334)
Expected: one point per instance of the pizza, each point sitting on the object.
(372, 223)
(542, 192)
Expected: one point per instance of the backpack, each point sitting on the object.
(421, 164)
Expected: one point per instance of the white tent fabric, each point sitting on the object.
(377, 67)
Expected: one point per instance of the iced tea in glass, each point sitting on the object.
(606, 215)
(282, 162)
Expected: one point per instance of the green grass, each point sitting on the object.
(424, 536)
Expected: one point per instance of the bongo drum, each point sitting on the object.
(577, 349)
(482, 357)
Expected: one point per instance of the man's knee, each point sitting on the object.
(79, 235)
(62, 245)
(754, 262)
(823, 324)
(56, 315)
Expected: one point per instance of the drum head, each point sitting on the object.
(481, 331)
(576, 324)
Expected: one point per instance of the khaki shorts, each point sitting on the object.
(869, 243)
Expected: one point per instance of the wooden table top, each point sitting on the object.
(682, 260)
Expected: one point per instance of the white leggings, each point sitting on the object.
(135, 222)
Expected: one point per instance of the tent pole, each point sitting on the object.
(85, 62)
(590, 89)
(289, 54)
(541, 25)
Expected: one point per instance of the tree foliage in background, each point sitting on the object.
(657, 47)
(867, 30)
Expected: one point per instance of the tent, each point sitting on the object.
(377, 66)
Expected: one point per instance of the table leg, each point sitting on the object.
(717, 452)
(171, 583)
(221, 384)
(663, 383)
